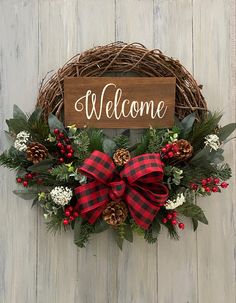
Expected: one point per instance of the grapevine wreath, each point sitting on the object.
(88, 182)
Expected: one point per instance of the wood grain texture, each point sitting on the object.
(119, 102)
(169, 24)
(58, 40)
(37, 267)
(211, 49)
(18, 228)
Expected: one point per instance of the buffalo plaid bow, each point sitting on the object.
(138, 184)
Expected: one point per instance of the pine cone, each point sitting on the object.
(36, 152)
(185, 150)
(121, 156)
(115, 213)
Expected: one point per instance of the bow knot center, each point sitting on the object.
(117, 189)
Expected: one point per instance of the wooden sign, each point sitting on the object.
(119, 102)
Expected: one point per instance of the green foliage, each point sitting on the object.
(192, 211)
(95, 139)
(224, 132)
(60, 172)
(54, 224)
(82, 232)
(223, 171)
(53, 123)
(118, 237)
(13, 159)
(81, 146)
(26, 194)
(203, 128)
(121, 141)
(153, 231)
(109, 146)
(100, 226)
(187, 125)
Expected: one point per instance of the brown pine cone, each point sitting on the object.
(36, 152)
(115, 213)
(185, 150)
(121, 156)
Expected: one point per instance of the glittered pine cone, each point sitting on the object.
(121, 156)
(185, 150)
(36, 152)
(115, 213)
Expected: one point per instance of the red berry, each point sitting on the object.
(69, 155)
(70, 208)
(209, 180)
(204, 182)
(65, 222)
(169, 216)
(25, 183)
(19, 180)
(71, 151)
(216, 181)
(207, 189)
(76, 214)
(61, 135)
(29, 176)
(215, 189)
(174, 214)
(67, 140)
(68, 147)
(62, 151)
(170, 154)
(164, 150)
(56, 131)
(67, 213)
(72, 218)
(193, 186)
(61, 160)
(224, 184)
(168, 146)
(39, 181)
(173, 222)
(59, 145)
(164, 220)
(181, 225)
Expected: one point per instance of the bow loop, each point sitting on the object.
(139, 184)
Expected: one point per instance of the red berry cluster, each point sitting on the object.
(172, 217)
(170, 150)
(70, 214)
(210, 185)
(65, 149)
(29, 177)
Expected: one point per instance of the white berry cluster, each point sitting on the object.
(61, 195)
(21, 140)
(212, 141)
(172, 204)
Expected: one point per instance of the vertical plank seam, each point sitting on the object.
(232, 8)
(115, 15)
(37, 209)
(196, 237)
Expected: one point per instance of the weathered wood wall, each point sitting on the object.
(37, 36)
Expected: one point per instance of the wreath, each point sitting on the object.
(88, 182)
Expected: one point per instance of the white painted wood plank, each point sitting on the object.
(57, 256)
(96, 23)
(216, 264)
(18, 73)
(134, 21)
(97, 265)
(177, 260)
(137, 263)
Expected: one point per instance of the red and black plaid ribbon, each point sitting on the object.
(139, 184)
